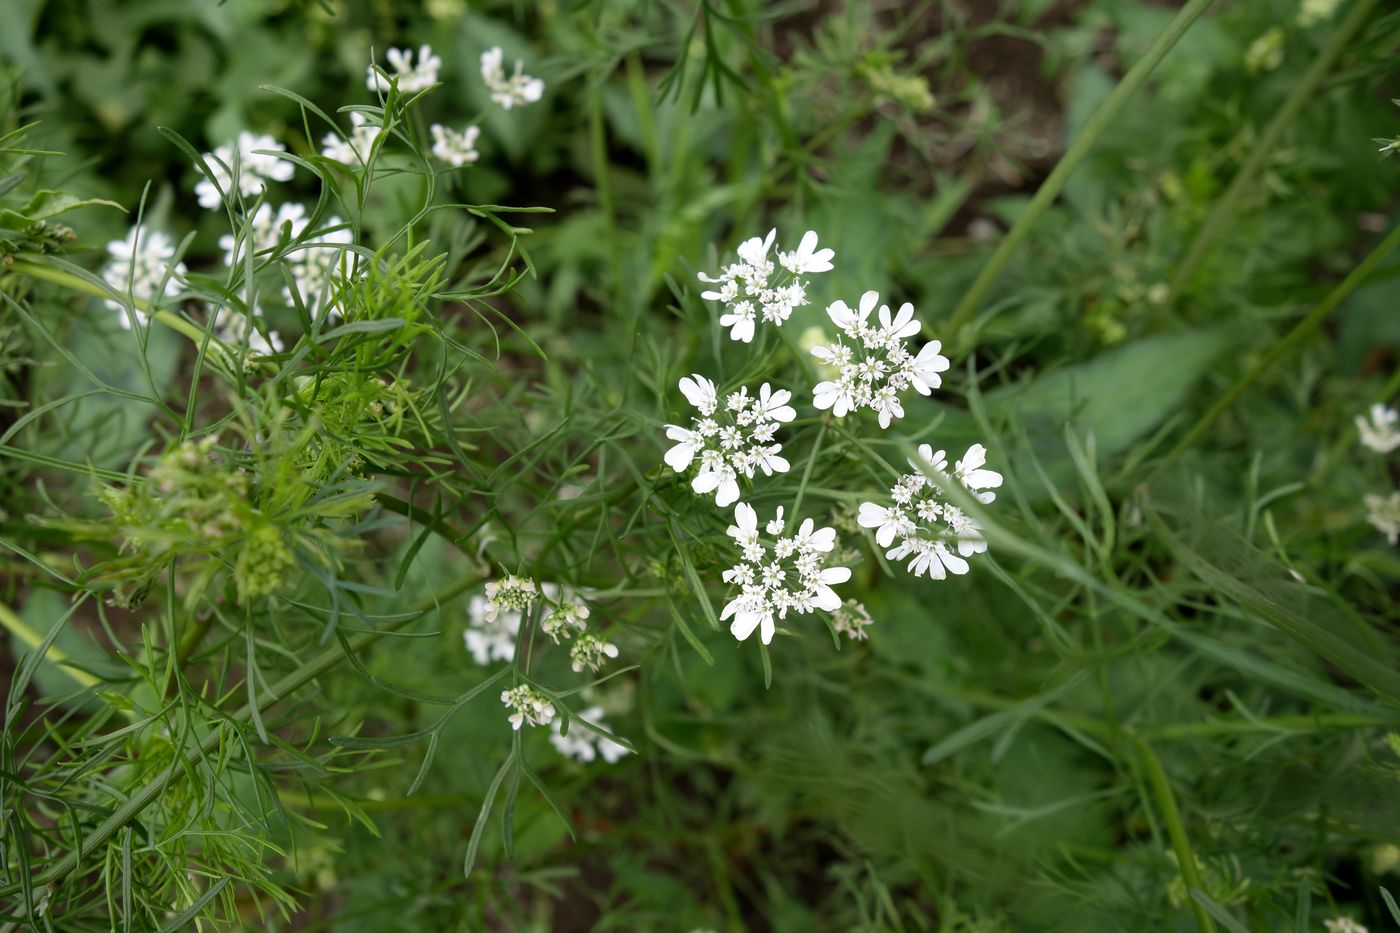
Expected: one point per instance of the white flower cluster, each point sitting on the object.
(875, 367)
(927, 526)
(529, 707)
(1381, 430)
(508, 91)
(241, 160)
(355, 148)
(1343, 925)
(752, 289)
(738, 440)
(590, 652)
(140, 266)
(791, 576)
(411, 78)
(583, 744)
(494, 640)
(454, 148)
(320, 267)
(513, 594)
(239, 329)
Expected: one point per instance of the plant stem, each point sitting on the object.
(152, 789)
(1185, 858)
(1075, 154)
(1266, 147)
(33, 639)
(1300, 330)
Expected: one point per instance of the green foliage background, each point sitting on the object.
(1165, 699)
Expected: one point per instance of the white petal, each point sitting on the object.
(872, 515)
(728, 493)
(744, 624)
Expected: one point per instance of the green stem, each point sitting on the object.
(1302, 329)
(73, 283)
(1185, 858)
(1080, 148)
(152, 790)
(33, 639)
(1266, 147)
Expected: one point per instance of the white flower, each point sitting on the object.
(735, 442)
(1384, 513)
(1343, 925)
(241, 159)
(788, 577)
(584, 744)
(354, 149)
(807, 258)
(411, 78)
(1312, 12)
(591, 652)
(929, 528)
(1380, 433)
(873, 377)
(513, 91)
(564, 618)
(456, 149)
(140, 266)
(514, 593)
(530, 708)
(851, 619)
(751, 291)
(490, 641)
(265, 230)
(237, 328)
(318, 266)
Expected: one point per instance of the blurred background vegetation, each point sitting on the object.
(995, 756)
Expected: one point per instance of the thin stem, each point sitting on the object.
(1176, 830)
(33, 639)
(1300, 330)
(1080, 148)
(1266, 147)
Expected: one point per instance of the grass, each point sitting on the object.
(236, 585)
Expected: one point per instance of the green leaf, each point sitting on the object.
(46, 204)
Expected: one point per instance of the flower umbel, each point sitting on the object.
(753, 289)
(787, 576)
(241, 159)
(1384, 513)
(354, 149)
(412, 78)
(530, 708)
(508, 91)
(489, 641)
(590, 652)
(851, 619)
(929, 528)
(584, 744)
(141, 267)
(514, 594)
(875, 367)
(454, 148)
(1381, 430)
(737, 438)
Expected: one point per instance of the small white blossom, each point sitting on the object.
(1381, 432)
(514, 593)
(265, 229)
(354, 149)
(1384, 513)
(318, 266)
(851, 619)
(508, 91)
(530, 708)
(494, 640)
(1343, 925)
(752, 290)
(563, 619)
(790, 576)
(584, 744)
(242, 159)
(928, 527)
(874, 376)
(411, 78)
(454, 148)
(237, 328)
(737, 441)
(591, 652)
(140, 266)
(1312, 12)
